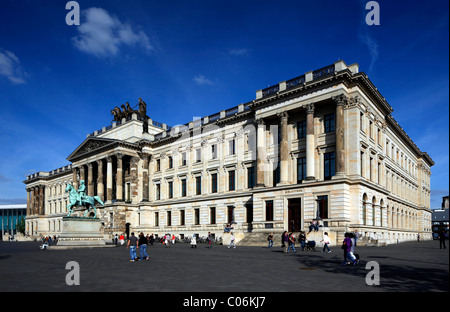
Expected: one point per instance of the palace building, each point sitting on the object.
(322, 145)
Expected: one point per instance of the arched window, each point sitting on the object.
(374, 200)
(364, 208)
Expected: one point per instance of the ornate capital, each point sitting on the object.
(260, 121)
(283, 114)
(340, 99)
(309, 108)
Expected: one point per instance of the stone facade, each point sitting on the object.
(323, 144)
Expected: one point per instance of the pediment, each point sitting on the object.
(91, 146)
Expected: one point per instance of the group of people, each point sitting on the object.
(141, 243)
(47, 241)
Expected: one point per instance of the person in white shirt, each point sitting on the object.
(232, 241)
(326, 241)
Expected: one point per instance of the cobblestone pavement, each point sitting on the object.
(406, 267)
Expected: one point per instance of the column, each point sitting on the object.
(284, 152)
(119, 178)
(82, 175)
(134, 179)
(340, 100)
(145, 178)
(109, 181)
(41, 200)
(310, 175)
(260, 153)
(100, 186)
(90, 186)
(28, 202)
(75, 178)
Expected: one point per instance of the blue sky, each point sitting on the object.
(195, 58)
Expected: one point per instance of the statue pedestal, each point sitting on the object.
(78, 232)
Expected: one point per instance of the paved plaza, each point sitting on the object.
(406, 267)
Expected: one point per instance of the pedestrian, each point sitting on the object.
(121, 239)
(270, 239)
(232, 241)
(152, 239)
(442, 237)
(356, 234)
(116, 239)
(418, 237)
(143, 246)
(291, 242)
(302, 239)
(166, 240)
(285, 241)
(173, 239)
(326, 241)
(132, 245)
(194, 242)
(209, 240)
(347, 247)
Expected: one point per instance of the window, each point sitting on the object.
(170, 189)
(370, 129)
(301, 169)
(214, 151)
(322, 206)
(212, 215)
(197, 216)
(269, 210)
(183, 188)
(156, 218)
(170, 162)
(276, 175)
(214, 183)
(329, 165)
(158, 165)
(182, 217)
(230, 214)
(198, 152)
(169, 218)
(362, 164)
(158, 191)
(231, 180)
(301, 129)
(183, 159)
(231, 147)
(198, 185)
(250, 177)
(361, 121)
(328, 123)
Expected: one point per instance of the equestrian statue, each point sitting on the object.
(79, 198)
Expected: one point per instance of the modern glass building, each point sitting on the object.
(10, 216)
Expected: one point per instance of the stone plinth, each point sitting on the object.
(80, 232)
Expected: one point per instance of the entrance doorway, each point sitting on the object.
(294, 214)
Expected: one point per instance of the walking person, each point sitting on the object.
(291, 242)
(346, 246)
(326, 241)
(143, 246)
(270, 239)
(132, 245)
(209, 240)
(442, 238)
(193, 242)
(418, 237)
(285, 241)
(232, 241)
(302, 239)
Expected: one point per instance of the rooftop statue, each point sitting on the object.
(79, 198)
(127, 110)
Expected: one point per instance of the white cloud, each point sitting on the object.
(10, 67)
(372, 46)
(102, 34)
(202, 80)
